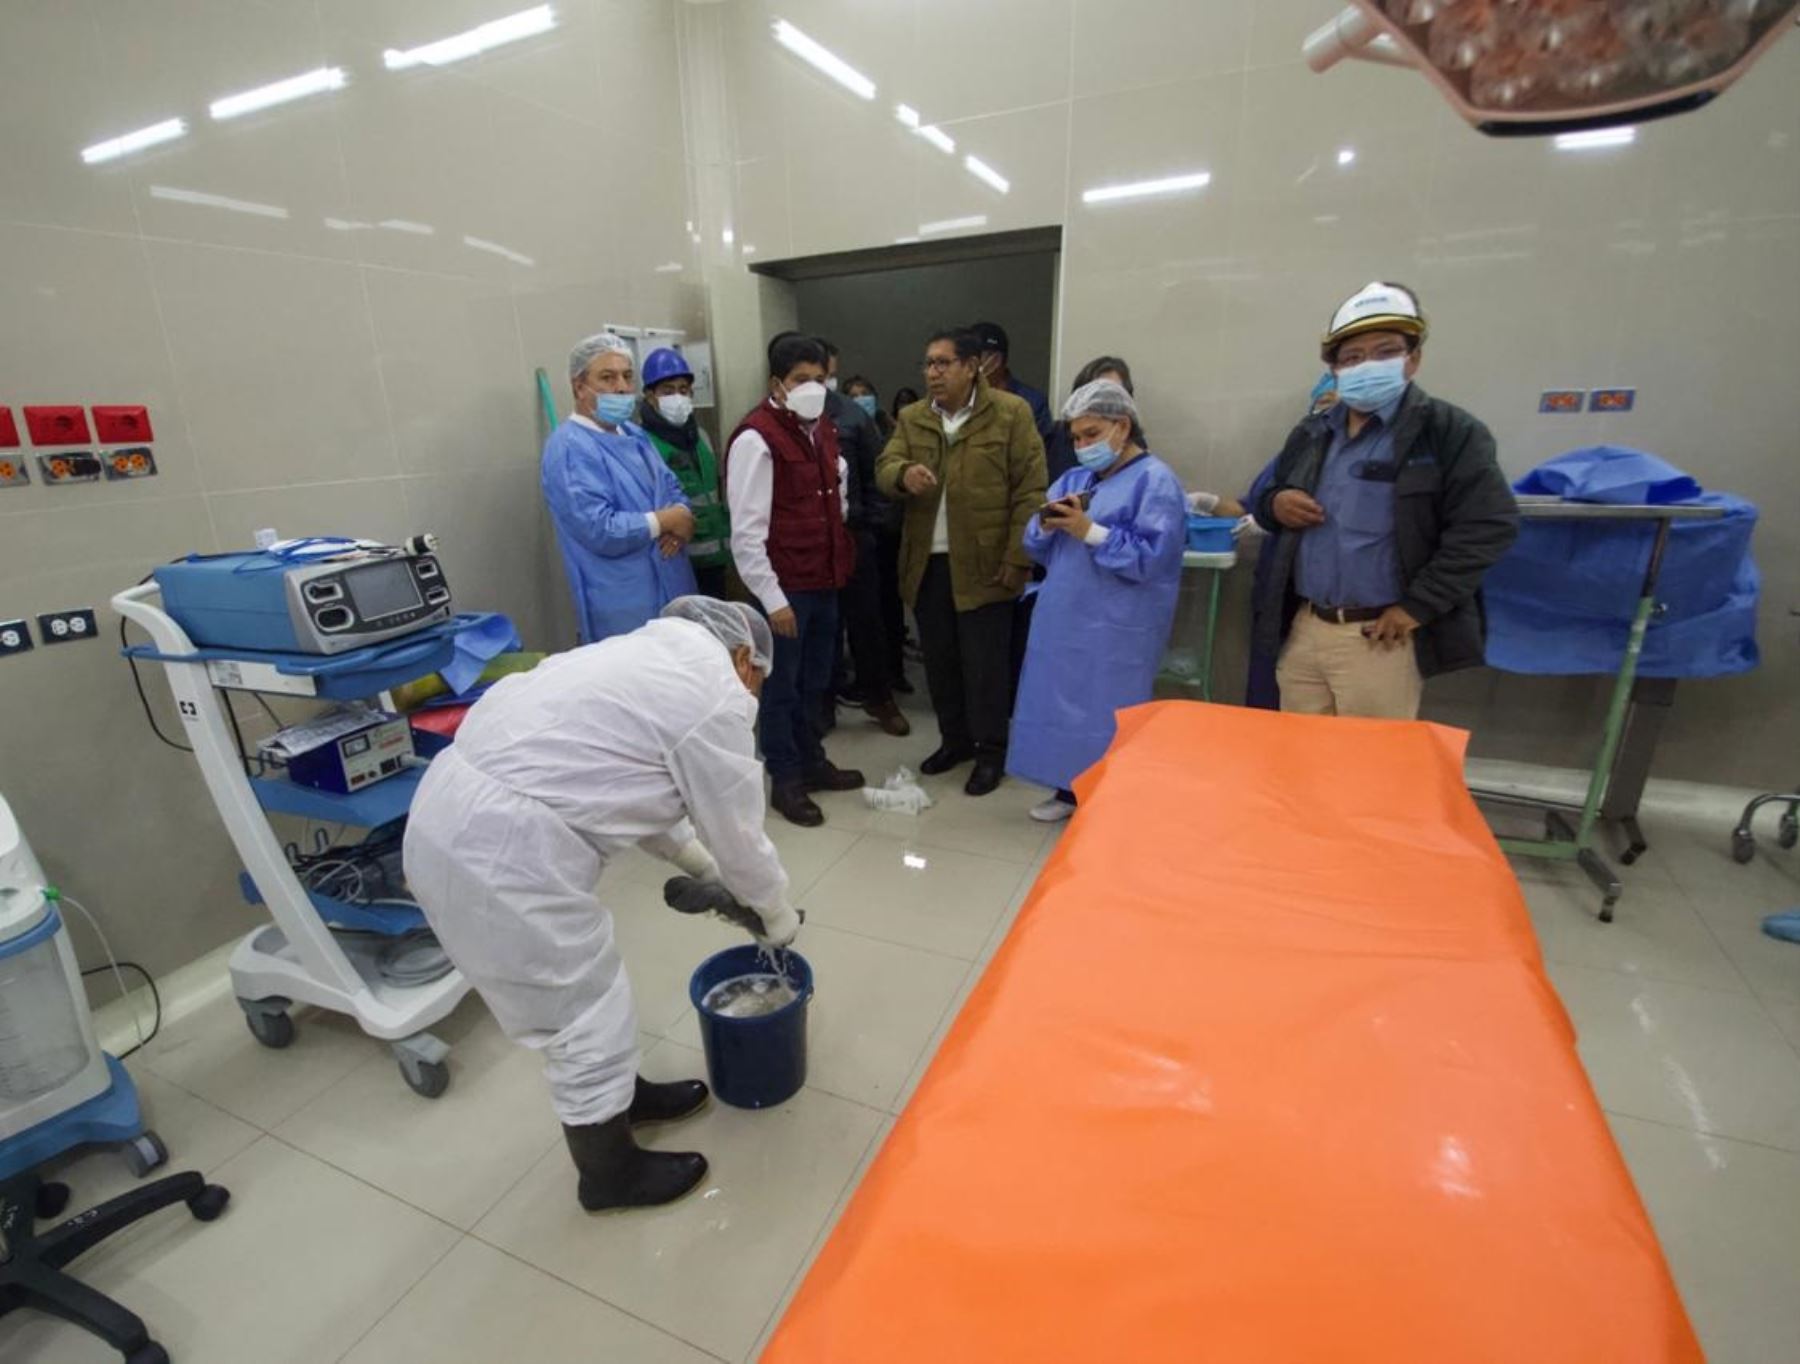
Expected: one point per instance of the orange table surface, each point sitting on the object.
(1268, 1071)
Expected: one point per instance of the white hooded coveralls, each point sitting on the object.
(552, 773)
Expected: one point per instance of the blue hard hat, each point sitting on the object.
(665, 362)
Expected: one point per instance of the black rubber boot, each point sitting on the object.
(670, 1102)
(617, 1173)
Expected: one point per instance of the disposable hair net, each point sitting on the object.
(732, 623)
(591, 348)
(1102, 398)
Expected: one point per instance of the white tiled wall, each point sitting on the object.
(305, 367)
(1668, 265)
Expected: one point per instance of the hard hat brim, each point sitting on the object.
(1385, 322)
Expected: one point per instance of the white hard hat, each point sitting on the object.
(1376, 307)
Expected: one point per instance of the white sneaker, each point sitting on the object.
(1052, 811)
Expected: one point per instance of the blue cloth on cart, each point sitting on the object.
(475, 648)
(1562, 600)
(1783, 926)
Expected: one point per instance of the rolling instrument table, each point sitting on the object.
(1563, 841)
(1267, 1071)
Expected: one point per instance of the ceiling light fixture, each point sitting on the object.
(1140, 189)
(203, 200)
(494, 248)
(953, 224)
(126, 143)
(527, 23)
(986, 173)
(907, 115)
(279, 92)
(822, 58)
(938, 138)
(1346, 155)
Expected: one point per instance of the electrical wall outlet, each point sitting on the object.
(15, 637)
(65, 627)
(135, 462)
(72, 466)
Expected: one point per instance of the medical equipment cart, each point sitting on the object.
(1216, 564)
(299, 958)
(1563, 841)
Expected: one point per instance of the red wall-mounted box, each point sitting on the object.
(57, 425)
(9, 429)
(122, 424)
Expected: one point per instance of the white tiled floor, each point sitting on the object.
(373, 1227)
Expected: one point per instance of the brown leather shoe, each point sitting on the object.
(828, 776)
(888, 716)
(790, 800)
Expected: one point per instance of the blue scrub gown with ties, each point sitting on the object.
(1102, 620)
(598, 485)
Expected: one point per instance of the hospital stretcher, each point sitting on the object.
(1268, 1071)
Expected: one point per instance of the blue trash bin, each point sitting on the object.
(1211, 534)
(753, 1062)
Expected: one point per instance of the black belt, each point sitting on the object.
(1346, 615)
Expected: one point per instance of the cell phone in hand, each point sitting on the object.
(1083, 500)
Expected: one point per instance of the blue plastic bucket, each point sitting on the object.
(1210, 534)
(753, 1062)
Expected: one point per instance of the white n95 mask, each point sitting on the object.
(676, 408)
(806, 401)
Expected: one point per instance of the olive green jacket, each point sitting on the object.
(993, 475)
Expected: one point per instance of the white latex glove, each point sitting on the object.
(693, 859)
(781, 925)
(1202, 504)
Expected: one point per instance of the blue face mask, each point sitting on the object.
(866, 401)
(1372, 385)
(612, 408)
(1098, 457)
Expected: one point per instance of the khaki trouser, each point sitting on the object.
(1331, 669)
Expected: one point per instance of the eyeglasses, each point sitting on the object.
(934, 363)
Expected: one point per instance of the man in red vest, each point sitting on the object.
(785, 484)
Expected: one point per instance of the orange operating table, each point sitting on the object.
(1268, 1071)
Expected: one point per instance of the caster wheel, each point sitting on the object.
(209, 1202)
(1628, 857)
(144, 1154)
(1790, 830)
(51, 1200)
(148, 1354)
(428, 1079)
(1743, 845)
(274, 1031)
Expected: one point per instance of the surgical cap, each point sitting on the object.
(590, 349)
(1103, 398)
(732, 623)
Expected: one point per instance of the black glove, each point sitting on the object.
(690, 895)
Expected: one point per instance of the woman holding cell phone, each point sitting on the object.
(1110, 535)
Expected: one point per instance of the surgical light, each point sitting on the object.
(279, 92)
(126, 143)
(986, 173)
(1544, 67)
(527, 23)
(1139, 189)
(1596, 138)
(815, 54)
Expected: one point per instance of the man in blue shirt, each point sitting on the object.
(1388, 508)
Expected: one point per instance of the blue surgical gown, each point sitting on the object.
(599, 484)
(1102, 620)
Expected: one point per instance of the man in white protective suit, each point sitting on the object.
(553, 772)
